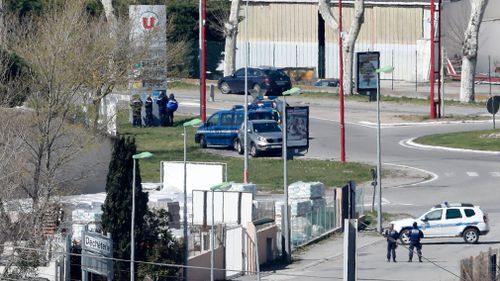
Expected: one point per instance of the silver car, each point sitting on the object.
(263, 136)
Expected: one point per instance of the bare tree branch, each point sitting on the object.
(326, 13)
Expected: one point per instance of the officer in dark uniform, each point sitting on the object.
(171, 108)
(162, 108)
(415, 236)
(392, 236)
(136, 105)
(148, 105)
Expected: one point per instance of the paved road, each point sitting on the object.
(455, 177)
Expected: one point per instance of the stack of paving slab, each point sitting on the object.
(173, 209)
(244, 187)
(165, 202)
(86, 215)
(306, 197)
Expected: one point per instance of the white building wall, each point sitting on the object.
(278, 54)
(407, 61)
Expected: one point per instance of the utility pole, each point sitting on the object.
(1, 22)
(341, 87)
(203, 56)
(350, 235)
(433, 62)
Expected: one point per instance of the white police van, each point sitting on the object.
(447, 220)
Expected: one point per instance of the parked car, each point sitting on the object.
(448, 220)
(331, 82)
(221, 128)
(263, 136)
(266, 80)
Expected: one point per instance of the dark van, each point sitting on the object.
(221, 129)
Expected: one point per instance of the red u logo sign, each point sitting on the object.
(148, 23)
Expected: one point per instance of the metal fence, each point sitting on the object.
(312, 225)
(360, 202)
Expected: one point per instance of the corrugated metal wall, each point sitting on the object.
(279, 35)
(286, 35)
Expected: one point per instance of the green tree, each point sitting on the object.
(117, 208)
(160, 247)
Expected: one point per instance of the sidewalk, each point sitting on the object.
(326, 251)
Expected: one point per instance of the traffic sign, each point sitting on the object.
(493, 104)
(94, 248)
(93, 242)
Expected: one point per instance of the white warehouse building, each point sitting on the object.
(292, 33)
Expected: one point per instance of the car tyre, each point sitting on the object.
(405, 236)
(203, 142)
(471, 235)
(238, 147)
(253, 150)
(224, 88)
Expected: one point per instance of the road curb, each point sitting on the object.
(408, 124)
(411, 143)
(434, 176)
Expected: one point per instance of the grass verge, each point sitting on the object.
(384, 98)
(478, 140)
(167, 145)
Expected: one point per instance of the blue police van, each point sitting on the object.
(221, 128)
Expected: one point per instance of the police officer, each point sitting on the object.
(136, 105)
(162, 108)
(415, 236)
(171, 108)
(392, 236)
(148, 105)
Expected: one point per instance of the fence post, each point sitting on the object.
(416, 70)
(212, 93)
(466, 269)
(492, 266)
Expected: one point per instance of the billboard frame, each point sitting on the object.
(368, 63)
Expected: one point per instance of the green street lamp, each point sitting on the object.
(192, 123)
(384, 69)
(287, 251)
(135, 157)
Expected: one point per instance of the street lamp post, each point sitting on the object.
(245, 116)
(193, 123)
(286, 251)
(135, 157)
(385, 69)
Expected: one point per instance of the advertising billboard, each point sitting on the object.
(297, 126)
(199, 175)
(367, 64)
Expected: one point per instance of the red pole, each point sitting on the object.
(440, 61)
(341, 88)
(203, 61)
(431, 98)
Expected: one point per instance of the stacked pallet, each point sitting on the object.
(244, 187)
(306, 190)
(173, 209)
(306, 197)
(85, 216)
